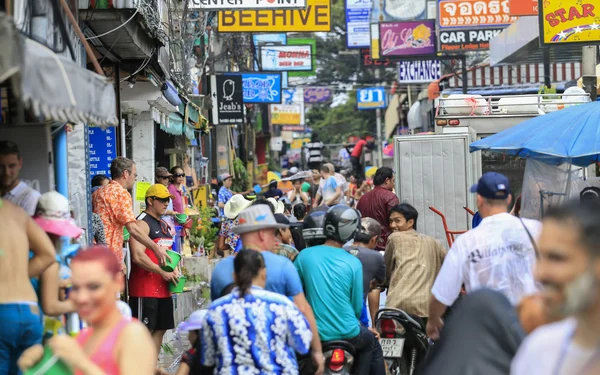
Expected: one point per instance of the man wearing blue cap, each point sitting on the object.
(499, 254)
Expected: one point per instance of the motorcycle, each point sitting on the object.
(339, 359)
(403, 340)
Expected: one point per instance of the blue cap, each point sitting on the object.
(492, 185)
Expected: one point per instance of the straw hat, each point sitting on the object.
(53, 215)
(278, 205)
(235, 205)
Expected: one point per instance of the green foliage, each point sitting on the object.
(202, 228)
(240, 179)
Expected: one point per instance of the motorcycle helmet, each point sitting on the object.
(312, 231)
(341, 222)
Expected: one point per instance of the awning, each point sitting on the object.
(51, 86)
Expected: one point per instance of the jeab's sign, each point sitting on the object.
(316, 17)
(564, 22)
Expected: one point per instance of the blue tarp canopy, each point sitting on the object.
(571, 135)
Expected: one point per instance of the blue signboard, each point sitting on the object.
(266, 39)
(358, 17)
(103, 149)
(260, 87)
(371, 98)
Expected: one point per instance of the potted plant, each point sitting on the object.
(203, 233)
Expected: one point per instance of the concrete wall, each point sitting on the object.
(79, 175)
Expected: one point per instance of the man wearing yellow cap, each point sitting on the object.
(149, 294)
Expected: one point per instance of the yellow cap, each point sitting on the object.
(158, 191)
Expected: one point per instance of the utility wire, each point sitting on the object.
(116, 28)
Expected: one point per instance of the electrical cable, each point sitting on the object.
(63, 29)
(116, 28)
(144, 64)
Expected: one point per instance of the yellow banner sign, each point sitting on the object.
(570, 22)
(316, 17)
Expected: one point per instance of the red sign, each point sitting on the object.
(469, 13)
(523, 7)
(366, 60)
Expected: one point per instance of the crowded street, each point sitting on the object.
(300, 187)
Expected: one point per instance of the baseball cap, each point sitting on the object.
(158, 191)
(492, 185)
(225, 176)
(281, 219)
(194, 322)
(255, 218)
(162, 172)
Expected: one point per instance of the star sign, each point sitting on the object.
(562, 35)
(577, 29)
(594, 26)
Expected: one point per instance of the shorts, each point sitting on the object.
(155, 313)
(21, 327)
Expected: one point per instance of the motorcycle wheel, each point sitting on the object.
(398, 367)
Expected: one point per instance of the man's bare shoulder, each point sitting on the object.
(12, 210)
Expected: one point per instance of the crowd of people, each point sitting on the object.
(304, 264)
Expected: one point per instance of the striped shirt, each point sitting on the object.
(24, 197)
(412, 262)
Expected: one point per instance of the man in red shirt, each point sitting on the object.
(149, 295)
(356, 154)
(377, 203)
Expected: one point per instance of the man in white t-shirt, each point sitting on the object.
(11, 187)
(569, 270)
(498, 254)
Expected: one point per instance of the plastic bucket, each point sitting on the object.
(125, 234)
(181, 218)
(171, 265)
(49, 365)
(180, 285)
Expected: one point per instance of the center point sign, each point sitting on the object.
(246, 4)
(316, 17)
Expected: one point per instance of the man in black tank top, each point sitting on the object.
(150, 297)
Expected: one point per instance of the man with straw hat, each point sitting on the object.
(150, 297)
(256, 227)
(227, 239)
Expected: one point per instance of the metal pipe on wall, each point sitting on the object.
(61, 164)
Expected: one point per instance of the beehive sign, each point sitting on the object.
(564, 22)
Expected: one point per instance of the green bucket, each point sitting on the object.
(171, 265)
(125, 234)
(49, 365)
(181, 218)
(180, 285)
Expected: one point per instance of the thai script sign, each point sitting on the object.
(246, 4)
(358, 15)
(563, 22)
(280, 58)
(316, 17)
(419, 71)
(466, 40)
(474, 13)
(410, 38)
(371, 98)
(314, 95)
(523, 7)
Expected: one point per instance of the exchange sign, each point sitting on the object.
(409, 38)
(371, 98)
(466, 14)
(570, 22)
(419, 71)
(246, 4)
(286, 58)
(466, 40)
(316, 17)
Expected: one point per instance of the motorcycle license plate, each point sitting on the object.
(392, 348)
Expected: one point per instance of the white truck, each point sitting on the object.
(437, 170)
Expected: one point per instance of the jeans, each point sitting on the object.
(357, 167)
(21, 328)
(368, 353)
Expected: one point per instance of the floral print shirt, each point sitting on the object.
(231, 239)
(256, 334)
(114, 205)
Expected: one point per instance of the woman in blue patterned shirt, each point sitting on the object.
(251, 330)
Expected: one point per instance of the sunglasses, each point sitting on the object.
(162, 200)
(179, 175)
(162, 177)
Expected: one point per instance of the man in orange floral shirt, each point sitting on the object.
(114, 205)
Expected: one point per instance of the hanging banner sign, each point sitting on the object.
(260, 87)
(316, 17)
(358, 17)
(313, 48)
(523, 7)
(314, 95)
(291, 109)
(286, 58)
(563, 22)
(467, 14)
(246, 4)
(228, 99)
(371, 98)
(419, 71)
(466, 40)
(407, 38)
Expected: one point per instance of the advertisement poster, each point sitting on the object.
(358, 16)
(315, 17)
(411, 38)
(313, 48)
(313, 95)
(466, 40)
(371, 98)
(291, 109)
(245, 4)
(563, 22)
(261, 87)
(423, 71)
(466, 14)
(269, 39)
(286, 58)
(228, 99)
(103, 148)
